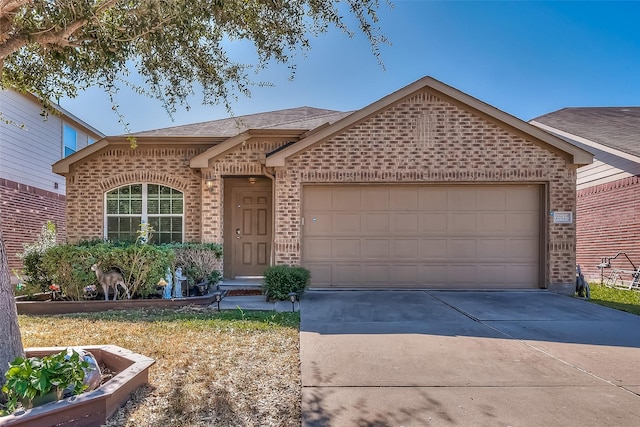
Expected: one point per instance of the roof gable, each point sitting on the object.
(573, 154)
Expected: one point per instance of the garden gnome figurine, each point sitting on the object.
(167, 288)
(179, 278)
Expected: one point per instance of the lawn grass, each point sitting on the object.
(229, 368)
(620, 299)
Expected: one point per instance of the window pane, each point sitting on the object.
(176, 225)
(123, 207)
(177, 207)
(136, 207)
(137, 189)
(153, 207)
(165, 225)
(126, 190)
(69, 137)
(165, 207)
(152, 189)
(165, 191)
(112, 206)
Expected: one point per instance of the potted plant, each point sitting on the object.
(35, 381)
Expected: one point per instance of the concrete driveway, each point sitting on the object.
(434, 358)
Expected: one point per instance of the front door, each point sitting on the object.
(250, 229)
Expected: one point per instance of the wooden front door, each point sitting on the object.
(250, 230)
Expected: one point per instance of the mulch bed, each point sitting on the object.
(243, 292)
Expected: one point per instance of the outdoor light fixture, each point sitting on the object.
(217, 298)
(293, 297)
(252, 180)
(209, 184)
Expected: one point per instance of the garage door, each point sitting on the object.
(462, 236)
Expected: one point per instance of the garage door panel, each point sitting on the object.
(404, 223)
(403, 199)
(348, 274)
(432, 199)
(346, 199)
(375, 249)
(526, 223)
(433, 249)
(492, 224)
(376, 274)
(346, 223)
(524, 198)
(522, 249)
(346, 249)
(433, 223)
(461, 223)
(318, 224)
(462, 274)
(375, 224)
(375, 199)
(492, 199)
(316, 198)
(461, 198)
(434, 274)
(318, 248)
(321, 274)
(462, 249)
(405, 274)
(404, 249)
(455, 236)
(492, 249)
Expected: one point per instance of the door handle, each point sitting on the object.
(237, 233)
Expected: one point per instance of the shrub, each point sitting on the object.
(280, 280)
(199, 261)
(34, 276)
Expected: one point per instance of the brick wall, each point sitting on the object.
(23, 212)
(425, 139)
(114, 167)
(608, 222)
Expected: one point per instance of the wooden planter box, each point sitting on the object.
(64, 307)
(94, 407)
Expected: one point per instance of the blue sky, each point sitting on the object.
(526, 58)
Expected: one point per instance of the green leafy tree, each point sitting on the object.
(55, 48)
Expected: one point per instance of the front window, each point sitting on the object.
(70, 140)
(157, 205)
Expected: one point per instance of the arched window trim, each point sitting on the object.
(144, 215)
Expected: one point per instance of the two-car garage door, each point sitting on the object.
(430, 236)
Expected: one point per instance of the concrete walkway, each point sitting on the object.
(441, 358)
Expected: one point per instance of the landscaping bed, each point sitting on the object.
(127, 371)
(49, 307)
(227, 368)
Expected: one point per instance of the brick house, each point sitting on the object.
(608, 190)
(30, 193)
(427, 187)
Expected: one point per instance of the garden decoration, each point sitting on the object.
(111, 279)
(168, 287)
(179, 278)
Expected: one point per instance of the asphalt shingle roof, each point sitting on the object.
(615, 127)
(294, 118)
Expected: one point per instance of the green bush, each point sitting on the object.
(198, 261)
(280, 280)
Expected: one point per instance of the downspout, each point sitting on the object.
(273, 213)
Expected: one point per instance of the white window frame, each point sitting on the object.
(144, 216)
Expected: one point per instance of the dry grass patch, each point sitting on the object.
(230, 368)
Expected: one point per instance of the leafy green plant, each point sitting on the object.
(280, 280)
(28, 378)
(200, 262)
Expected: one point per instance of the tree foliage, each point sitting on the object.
(55, 48)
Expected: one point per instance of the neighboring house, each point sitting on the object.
(425, 188)
(30, 193)
(608, 196)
